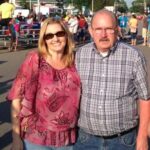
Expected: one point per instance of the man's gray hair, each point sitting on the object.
(105, 11)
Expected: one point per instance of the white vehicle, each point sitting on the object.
(24, 12)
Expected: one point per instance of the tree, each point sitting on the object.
(137, 6)
(60, 3)
(98, 4)
(123, 6)
(24, 3)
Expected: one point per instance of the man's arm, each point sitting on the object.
(149, 130)
(144, 120)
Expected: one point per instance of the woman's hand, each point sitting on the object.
(17, 144)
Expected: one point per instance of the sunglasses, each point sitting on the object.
(49, 36)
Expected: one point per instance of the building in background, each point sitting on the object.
(40, 6)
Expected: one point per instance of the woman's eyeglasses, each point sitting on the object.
(49, 36)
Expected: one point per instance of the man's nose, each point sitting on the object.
(104, 33)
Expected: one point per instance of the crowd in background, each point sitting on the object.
(20, 25)
(129, 25)
(78, 26)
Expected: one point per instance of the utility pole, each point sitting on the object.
(38, 1)
(145, 6)
(30, 4)
(92, 6)
(115, 6)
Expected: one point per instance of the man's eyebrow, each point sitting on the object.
(103, 27)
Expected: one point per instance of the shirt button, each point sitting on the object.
(100, 107)
(103, 75)
(101, 91)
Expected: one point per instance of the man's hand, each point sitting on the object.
(142, 143)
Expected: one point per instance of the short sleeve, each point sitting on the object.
(18, 87)
(141, 80)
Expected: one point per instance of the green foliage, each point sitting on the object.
(98, 4)
(60, 3)
(138, 6)
(122, 6)
(23, 3)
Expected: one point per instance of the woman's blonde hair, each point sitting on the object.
(68, 57)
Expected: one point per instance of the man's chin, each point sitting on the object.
(105, 47)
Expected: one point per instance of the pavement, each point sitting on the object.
(9, 64)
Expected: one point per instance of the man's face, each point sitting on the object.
(104, 32)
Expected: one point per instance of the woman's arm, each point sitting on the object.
(16, 136)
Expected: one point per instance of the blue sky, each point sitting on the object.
(129, 2)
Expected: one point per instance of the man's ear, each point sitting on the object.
(90, 31)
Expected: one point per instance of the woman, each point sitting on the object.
(45, 94)
(133, 27)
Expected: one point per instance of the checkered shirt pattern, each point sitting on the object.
(111, 86)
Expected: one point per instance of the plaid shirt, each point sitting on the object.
(111, 86)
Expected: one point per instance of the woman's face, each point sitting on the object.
(55, 38)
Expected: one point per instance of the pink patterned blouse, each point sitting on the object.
(50, 101)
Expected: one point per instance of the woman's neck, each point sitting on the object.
(56, 56)
(56, 60)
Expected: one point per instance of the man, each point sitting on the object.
(6, 12)
(114, 79)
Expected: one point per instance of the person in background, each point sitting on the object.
(6, 12)
(123, 21)
(148, 40)
(144, 29)
(73, 24)
(133, 27)
(67, 17)
(43, 18)
(82, 29)
(114, 79)
(45, 94)
(20, 17)
(15, 28)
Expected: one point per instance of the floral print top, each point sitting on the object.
(50, 101)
